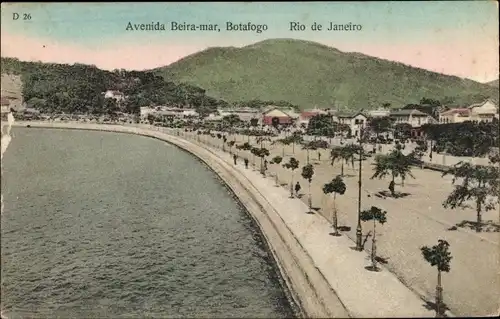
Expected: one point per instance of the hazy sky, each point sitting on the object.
(458, 38)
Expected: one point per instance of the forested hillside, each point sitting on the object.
(78, 88)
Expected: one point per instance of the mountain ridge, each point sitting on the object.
(311, 74)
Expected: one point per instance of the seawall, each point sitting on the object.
(325, 278)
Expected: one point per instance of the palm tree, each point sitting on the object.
(344, 154)
(440, 257)
(479, 184)
(292, 165)
(295, 138)
(307, 174)
(336, 186)
(395, 164)
(284, 142)
(377, 215)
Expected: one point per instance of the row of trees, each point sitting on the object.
(393, 165)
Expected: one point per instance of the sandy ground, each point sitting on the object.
(472, 285)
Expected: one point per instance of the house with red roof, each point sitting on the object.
(283, 116)
(306, 115)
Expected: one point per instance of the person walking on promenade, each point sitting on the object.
(297, 189)
(246, 163)
(319, 156)
(265, 165)
(235, 157)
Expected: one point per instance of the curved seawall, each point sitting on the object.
(325, 278)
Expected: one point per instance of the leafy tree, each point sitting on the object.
(284, 142)
(336, 186)
(380, 125)
(377, 215)
(402, 131)
(151, 118)
(395, 164)
(307, 174)
(463, 139)
(292, 165)
(231, 120)
(478, 184)
(308, 147)
(295, 138)
(319, 124)
(438, 256)
(431, 102)
(276, 160)
(254, 122)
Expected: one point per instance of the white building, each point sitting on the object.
(379, 113)
(413, 117)
(117, 95)
(356, 121)
(189, 113)
(485, 111)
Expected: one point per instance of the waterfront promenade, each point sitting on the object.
(471, 288)
(324, 259)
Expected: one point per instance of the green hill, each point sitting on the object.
(78, 88)
(494, 83)
(310, 74)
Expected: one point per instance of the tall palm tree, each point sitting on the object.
(343, 154)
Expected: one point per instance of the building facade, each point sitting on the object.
(485, 111)
(283, 116)
(413, 117)
(356, 121)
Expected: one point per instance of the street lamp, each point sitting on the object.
(359, 231)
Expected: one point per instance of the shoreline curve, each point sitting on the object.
(313, 291)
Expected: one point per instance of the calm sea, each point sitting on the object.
(111, 225)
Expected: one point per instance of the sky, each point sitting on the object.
(456, 37)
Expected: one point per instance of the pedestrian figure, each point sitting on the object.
(297, 189)
(235, 157)
(319, 156)
(265, 165)
(246, 163)
(391, 187)
(380, 148)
